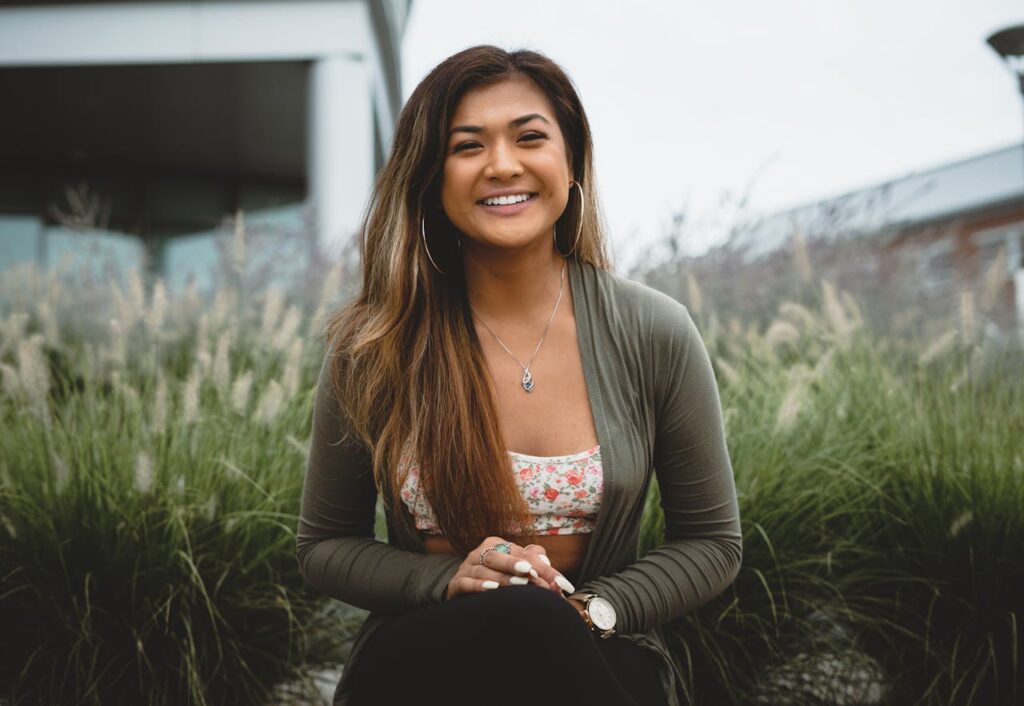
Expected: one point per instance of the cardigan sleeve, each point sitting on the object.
(702, 551)
(337, 552)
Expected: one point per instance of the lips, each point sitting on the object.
(529, 194)
(508, 209)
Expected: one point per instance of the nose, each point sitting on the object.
(502, 164)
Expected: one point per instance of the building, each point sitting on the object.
(150, 122)
(943, 228)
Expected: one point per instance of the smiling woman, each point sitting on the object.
(512, 400)
(509, 183)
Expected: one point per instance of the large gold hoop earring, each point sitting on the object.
(423, 234)
(579, 223)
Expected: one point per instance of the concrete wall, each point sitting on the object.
(349, 48)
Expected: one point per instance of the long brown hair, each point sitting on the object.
(407, 365)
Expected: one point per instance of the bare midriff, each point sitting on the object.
(565, 551)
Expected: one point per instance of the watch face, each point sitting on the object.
(602, 614)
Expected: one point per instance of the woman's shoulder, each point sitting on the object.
(637, 307)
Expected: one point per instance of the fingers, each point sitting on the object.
(486, 566)
(464, 584)
(538, 556)
(517, 566)
(475, 579)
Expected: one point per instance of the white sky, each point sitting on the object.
(795, 100)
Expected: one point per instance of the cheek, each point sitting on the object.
(453, 185)
(557, 169)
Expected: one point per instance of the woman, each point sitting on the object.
(510, 399)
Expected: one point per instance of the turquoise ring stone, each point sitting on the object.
(501, 548)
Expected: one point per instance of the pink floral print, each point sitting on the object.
(562, 492)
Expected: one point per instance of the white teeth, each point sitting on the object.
(506, 200)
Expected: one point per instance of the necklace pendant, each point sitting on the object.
(527, 381)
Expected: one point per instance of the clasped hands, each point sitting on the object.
(520, 567)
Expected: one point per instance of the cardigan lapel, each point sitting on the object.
(584, 299)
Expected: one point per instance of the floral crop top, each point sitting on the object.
(562, 492)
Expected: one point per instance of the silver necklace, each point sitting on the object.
(527, 381)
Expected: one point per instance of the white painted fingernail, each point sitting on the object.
(563, 583)
(534, 574)
(519, 580)
(544, 558)
(488, 585)
(522, 566)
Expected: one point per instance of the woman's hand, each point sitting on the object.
(522, 566)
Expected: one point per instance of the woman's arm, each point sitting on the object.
(703, 549)
(337, 552)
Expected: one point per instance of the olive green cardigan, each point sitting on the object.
(656, 410)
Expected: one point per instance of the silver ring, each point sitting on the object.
(502, 548)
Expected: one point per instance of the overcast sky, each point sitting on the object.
(789, 101)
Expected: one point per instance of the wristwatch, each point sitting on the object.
(597, 612)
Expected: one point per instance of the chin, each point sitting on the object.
(519, 237)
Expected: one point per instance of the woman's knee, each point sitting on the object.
(531, 607)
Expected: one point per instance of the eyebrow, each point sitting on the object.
(512, 123)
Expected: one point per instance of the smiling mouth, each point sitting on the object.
(529, 197)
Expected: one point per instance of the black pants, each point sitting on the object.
(512, 645)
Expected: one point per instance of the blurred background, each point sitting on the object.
(835, 190)
(742, 126)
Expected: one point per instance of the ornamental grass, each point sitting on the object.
(154, 444)
(151, 464)
(881, 490)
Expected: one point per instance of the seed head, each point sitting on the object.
(61, 473)
(190, 397)
(13, 329)
(136, 297)
(799, 315)
(270, 403)
(143, 472)
(240, 392)
(9, 526)
(292, 368)
(209, 508)
(995, 279)
(11, 380)
(968, 319)
(287, 329)
(272, 306)
(159, 419)
(48, 323)
(695, 300)
(238, 244)
(202, 359)
(793, 400)
(781, 333)
(222, 362)
(728, 372)
(800, 257)
(834, 312)
(938, 347)
(960, 523)
(157, 308)
(117, 353)
(33, 369)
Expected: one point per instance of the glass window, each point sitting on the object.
(20, 240)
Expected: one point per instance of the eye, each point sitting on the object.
(531, 136)
(465, 146)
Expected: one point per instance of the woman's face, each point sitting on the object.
(505, 140)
